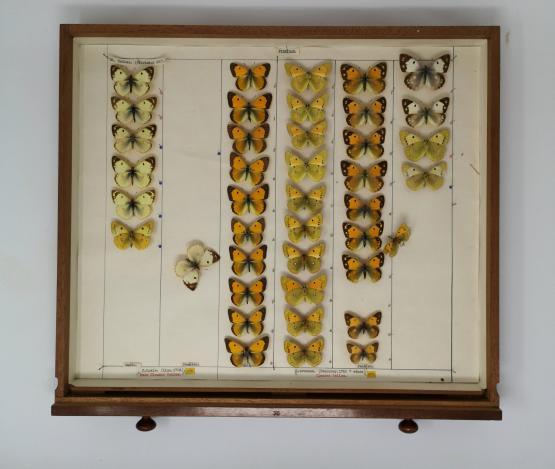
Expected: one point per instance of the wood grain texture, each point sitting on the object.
(274, 402)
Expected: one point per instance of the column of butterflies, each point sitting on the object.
(422, 74)
(248, 194)
(133, 134)
(365, 136)
(305, 192)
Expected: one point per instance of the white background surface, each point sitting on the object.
(29, 437)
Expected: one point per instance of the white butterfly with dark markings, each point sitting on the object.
(197, 257)
(424, 72)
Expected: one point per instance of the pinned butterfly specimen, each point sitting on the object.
(356, 268)
(248, 202)
(125, 237)
(359, 114)
(417, 147)
(359, 352)
(313, 111)
(297, 229)
(126, 140)
(126, 83)
(315, 78)
(128, 206)
(297, 323)
(243, 233)
(251, 262)
(253, 173)
(357, 325)
(418, 114)
(297, 292)
(424, 72)
(402, 235)
(131, 113)
(196, 258)
(359, 145)
(298, 354)
(246, 323)
(298, 200)
(248, 140)
(243, 110)
(356, 80)
(356, 176)
(355, 236)
(359, 208)
(418, 177)
(128, 174)
(250, 77)
(314, 167)
(314, 136)
(298, 260)
(252, 293)
(247, 355)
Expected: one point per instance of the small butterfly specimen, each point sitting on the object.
(359, 145)
(126, 83)
(401, 236)
(297, 323)
(298, 354)
(297, 229)
(310, 292)
(250, 77)
(314, 167)
(125, 237)
(356, 80)
(126, 140)
(418, 177)
(313, 111)
(242, 323)
(359, 113)
(247, 354)
(315, 78)
(128, 112)
(253, 111)
(417, 147)
(128, 206)
(196, 258)
(128, 174)
(359, 353)
(357, 325)
(418, 114)
(357, 177)
(356, 268)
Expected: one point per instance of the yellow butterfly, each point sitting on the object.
(247, 293)
(241, 323)
(359, 114)
(298, 200)
(251, 140)
(197, 257)
(252, 262)
(314, 167)
(297, 323)
(359, 145)
(250, 77)
(357, 80)
(315, 79)
(297, 292)
(243, 233)
(356, 176)
(247, 355)
(125, 140)
(297, 230)
(253, 173)
(357, 208)
(355, 236)
(433, 147)
(255, 110)
(248, 202)
(357, 325)
(131, 113)
(125, 237)
(314, 136)
(139, 206)
(298, 354)
(356, 268)
(418, 114)
(126, 83)
(402, 235)
(138, 174)
(418, 177)
(314, 111)
(419, 73)
(359, 352)
(298, 260)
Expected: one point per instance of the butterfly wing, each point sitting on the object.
(313, 258)
(354, 267)
(123, 204)
(122, 235)
(313, 351)
(295, 258)
(353, 78)
(142, 234)
(237, 350)
(299, 137)
(188, 272)
(415, 115)
(143, 203)
(438, 111)
(316, 109)
(315, 289)
(375, 76)
(295, 291)
(374, 265)
(316, 165)
(299, 109)
(317, 133)
(295, 353)
(355, 352)
(436, 77)
(299, 76)
(318, 76)
(435, 174)
(295, 322)
(437, 145)
(354, 325)
(238, 321)
(123, 171)
(313, 322)
(256, 351)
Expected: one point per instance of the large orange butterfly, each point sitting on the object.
(253, 173)
(355, 236)
(242, 323)
(359, 114)
(251, 262)
(243, 233)
(357, 325)
(248, 77)
(247, 293)
(247, 355)
(359, 352)
(356, 176)
(359, 145)
(248, 140)
(357, 80)
(357, 208)
(356, 268)
(243, 110)
(248, 202)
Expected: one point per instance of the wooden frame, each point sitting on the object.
(152, 401)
